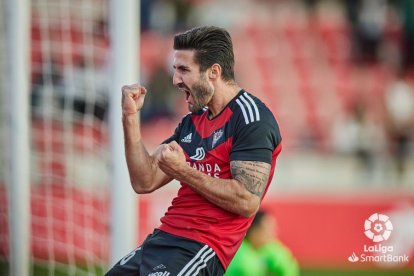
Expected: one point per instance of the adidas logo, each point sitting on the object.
(187, 139)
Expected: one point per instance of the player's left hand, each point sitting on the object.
(172, 159)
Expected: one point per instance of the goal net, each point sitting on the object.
(69, 138)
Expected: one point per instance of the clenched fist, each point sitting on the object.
(132, 98)
(172, 159)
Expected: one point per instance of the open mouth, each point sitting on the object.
(187, 95)
(186, 91)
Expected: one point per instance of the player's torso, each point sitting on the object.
(207, 143)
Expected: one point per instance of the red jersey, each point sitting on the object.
(245, 130)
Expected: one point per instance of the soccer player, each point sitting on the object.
(261, 253)
(223, 153)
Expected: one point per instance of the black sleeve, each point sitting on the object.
(255, 141)
(178, 130)
(175, 135)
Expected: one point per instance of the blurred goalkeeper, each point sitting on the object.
(223, 153)
(261, 253)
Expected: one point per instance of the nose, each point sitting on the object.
(177, 78)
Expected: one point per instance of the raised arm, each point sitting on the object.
(143, 168)
(240, 195)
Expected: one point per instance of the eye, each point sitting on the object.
(182, 69)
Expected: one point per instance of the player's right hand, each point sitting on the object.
(132, 98)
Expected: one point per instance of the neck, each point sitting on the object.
(222, 96)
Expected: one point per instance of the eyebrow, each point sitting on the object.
(181, 67)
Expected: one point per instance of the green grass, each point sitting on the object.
(44, 270)
(59, 270)
(339, 272)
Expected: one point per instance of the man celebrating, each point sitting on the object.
(223, 153)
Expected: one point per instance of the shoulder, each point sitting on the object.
(254, 127)
(249, 109)
(252, 115)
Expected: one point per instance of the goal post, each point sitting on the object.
(66, 203)
(18, 12)
(124, 19)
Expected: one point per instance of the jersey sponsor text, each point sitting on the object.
(210, 169)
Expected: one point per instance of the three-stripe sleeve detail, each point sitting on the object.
(256, 110)
(249, 108)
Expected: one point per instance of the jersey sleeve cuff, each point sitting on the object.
(262, 155)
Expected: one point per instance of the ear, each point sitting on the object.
(215, 71)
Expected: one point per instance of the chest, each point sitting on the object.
(207, 145)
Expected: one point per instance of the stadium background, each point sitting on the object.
(327, 70)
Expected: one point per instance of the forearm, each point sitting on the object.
(141, 165)
(240, 195)
(228, 194)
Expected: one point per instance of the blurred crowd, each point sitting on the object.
(366, 51)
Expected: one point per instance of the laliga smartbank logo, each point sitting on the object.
(378, 228)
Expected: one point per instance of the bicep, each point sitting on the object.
(253, 175)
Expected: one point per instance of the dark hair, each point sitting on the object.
(258, 218)
(256, 223)
(212, 45)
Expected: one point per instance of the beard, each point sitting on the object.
(202, 94)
